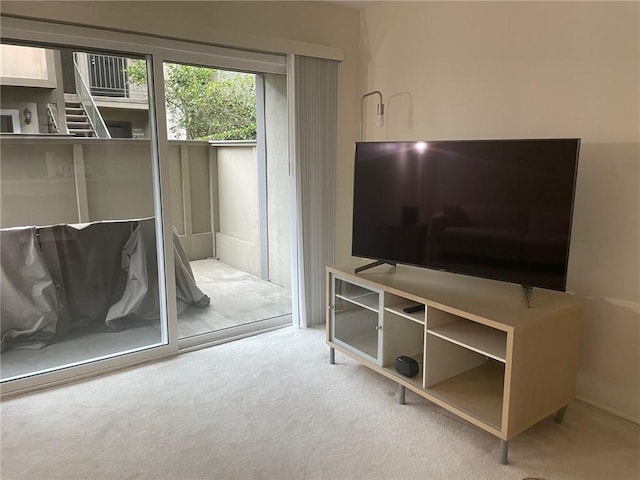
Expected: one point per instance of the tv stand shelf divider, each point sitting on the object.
(483, 354)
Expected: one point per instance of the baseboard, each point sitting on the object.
(612, 411)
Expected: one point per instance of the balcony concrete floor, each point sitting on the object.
(237, 298)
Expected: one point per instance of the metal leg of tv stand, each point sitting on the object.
(401, 392)
(560, 415)
(504, 444)
(504, 451)
(332, 355)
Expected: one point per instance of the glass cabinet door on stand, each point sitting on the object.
(355, 318)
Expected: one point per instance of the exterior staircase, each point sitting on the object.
(78, 122)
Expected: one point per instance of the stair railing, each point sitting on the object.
(97, 122)
(52, 123)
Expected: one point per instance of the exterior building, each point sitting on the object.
(65, 92)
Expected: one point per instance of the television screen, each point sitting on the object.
(499, 209)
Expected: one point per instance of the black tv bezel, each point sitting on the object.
(525, 285)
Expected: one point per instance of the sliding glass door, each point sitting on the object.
(111, 216)
(79, 213)
(231, 198)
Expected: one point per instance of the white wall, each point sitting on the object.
(25, 66)
(238, 241)
(535, 69)
(189, 164)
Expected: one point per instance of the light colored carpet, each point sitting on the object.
(272, 407)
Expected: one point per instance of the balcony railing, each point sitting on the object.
(107, 76)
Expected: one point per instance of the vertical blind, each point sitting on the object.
(314, 91)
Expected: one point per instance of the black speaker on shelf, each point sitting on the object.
(407, 366)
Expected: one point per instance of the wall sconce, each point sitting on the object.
(27, 115)
(379, 112)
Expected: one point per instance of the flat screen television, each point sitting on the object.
(498, 209)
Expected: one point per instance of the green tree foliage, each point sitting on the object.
(204, 103)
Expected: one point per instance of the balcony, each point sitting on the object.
(214, 207)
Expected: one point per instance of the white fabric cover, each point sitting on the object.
(89, 277)
(27, 292)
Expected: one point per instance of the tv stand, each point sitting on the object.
(482, 354)
(373, 264)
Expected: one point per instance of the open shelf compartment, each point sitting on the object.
(478, 392)
(396, 305)
(418, 380)
(474, 336)
(402, 336)
(465, 379)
